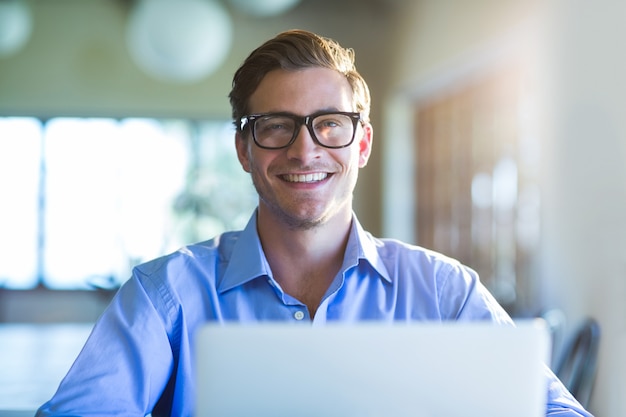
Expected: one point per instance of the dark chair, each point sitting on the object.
(577, 365)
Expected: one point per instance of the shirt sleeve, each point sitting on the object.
(561, 403)
(114, 375)
(464, 297)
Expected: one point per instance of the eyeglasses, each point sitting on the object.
(279, 130)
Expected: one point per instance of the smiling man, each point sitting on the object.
(302, 116)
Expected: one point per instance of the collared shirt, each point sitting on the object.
(139, 356)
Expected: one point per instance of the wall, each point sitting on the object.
(585, 243)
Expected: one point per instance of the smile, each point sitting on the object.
(314, 177)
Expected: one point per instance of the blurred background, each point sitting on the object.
(500, 139)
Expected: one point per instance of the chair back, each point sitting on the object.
(577, 365)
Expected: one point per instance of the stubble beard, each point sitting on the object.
(292, 221)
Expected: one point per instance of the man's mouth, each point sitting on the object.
(313, 177)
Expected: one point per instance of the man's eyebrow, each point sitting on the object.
(320, 110)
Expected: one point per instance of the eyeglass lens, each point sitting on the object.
(275, 131)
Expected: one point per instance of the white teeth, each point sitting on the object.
(318, 176)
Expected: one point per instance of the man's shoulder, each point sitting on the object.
(206, 252)
(407, 261)
(391, 247)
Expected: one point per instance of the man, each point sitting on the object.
(301, 111)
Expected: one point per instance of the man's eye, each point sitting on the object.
(329, 123)
(273, 124)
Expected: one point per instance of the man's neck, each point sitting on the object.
(304, 261)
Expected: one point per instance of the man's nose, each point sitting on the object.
(304, 146)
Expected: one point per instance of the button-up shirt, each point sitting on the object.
(139, 357)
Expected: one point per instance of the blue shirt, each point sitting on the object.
(138, 358)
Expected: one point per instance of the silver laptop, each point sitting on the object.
(372, 370)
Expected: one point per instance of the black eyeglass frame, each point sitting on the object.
(307, 121)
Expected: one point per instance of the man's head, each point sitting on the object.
(301, 109)
(295, 50)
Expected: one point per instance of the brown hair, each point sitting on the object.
(294, 50)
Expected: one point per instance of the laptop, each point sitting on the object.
(372, 370)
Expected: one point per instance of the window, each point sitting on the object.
(86, 199)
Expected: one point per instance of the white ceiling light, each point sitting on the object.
(264, 8)
(180, 41)
(15, 26)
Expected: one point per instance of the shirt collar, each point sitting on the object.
(363, 246)
(247, 260)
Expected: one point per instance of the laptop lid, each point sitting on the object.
(372, 369)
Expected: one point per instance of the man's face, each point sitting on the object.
(305, 184)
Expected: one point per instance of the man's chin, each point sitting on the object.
(300, 216)
(303, 222)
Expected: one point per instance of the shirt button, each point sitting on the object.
(298, 315)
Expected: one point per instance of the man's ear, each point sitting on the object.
(241, 144)
(365, 144)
